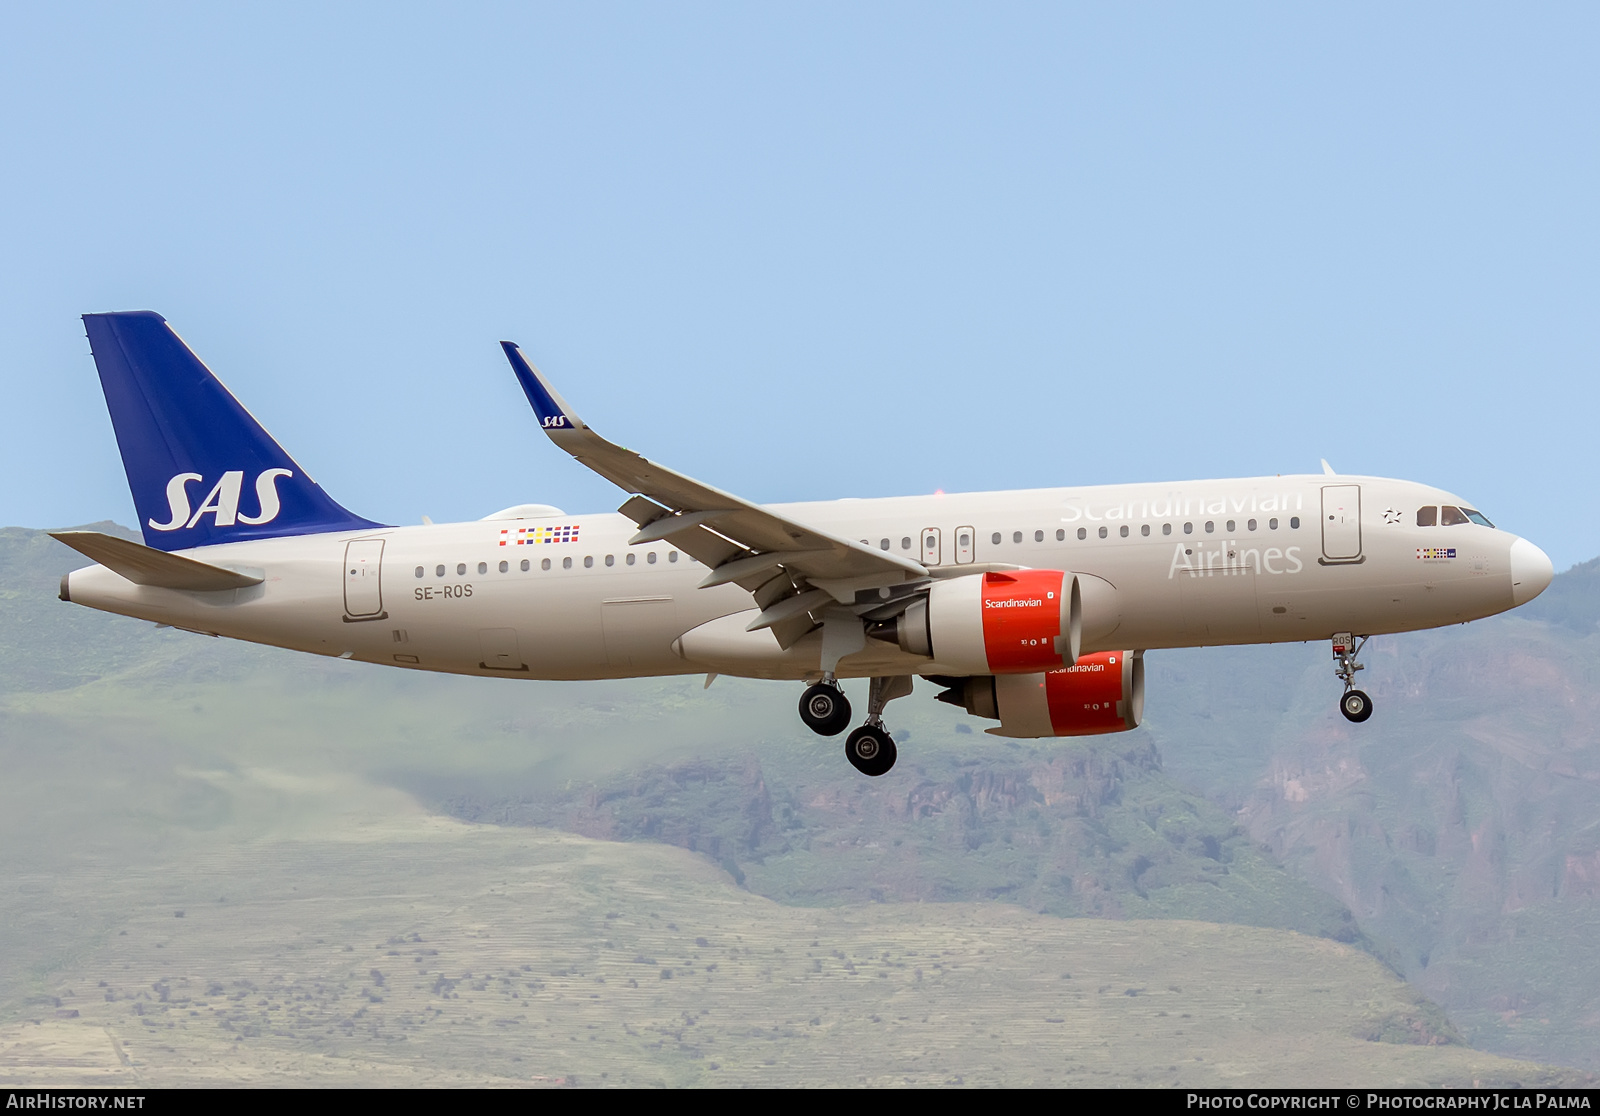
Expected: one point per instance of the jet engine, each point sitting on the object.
(1101, 693)
(996, 623)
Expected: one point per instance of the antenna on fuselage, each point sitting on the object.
(1327, 470)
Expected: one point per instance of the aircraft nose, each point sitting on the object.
(1531, 571)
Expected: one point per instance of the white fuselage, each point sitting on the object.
(1256, 560)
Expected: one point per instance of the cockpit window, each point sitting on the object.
(1428, 516)
(1452, 516)
(1477, 517)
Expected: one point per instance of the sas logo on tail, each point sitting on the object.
(222, 502)
(554, 422)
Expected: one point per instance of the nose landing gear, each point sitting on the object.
(1355, 704)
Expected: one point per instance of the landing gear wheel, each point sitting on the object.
(870, 750)
(1356, 706)
(825, 709)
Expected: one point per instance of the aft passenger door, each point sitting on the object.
(1341, 523)
(363, 580)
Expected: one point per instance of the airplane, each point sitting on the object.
(1031, 608)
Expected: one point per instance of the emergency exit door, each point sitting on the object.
(932, 546)
(966, 542)
(363, 580)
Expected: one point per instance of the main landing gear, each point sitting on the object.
(1355, 704)
(870, 750)
(826, 711)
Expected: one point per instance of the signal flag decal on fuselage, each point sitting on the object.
(528, 536)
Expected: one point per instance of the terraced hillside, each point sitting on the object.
(142, 761)
(374, 944)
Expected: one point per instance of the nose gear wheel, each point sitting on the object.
(1356, 706)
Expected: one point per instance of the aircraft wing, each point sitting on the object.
(791, 568)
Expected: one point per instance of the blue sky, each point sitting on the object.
(818, 250)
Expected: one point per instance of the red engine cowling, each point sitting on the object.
(997, 623)
(1101, 693)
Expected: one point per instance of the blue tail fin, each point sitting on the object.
(201, 469)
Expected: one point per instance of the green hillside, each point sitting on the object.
(366, 943)
(135, 753)
(1459, 824)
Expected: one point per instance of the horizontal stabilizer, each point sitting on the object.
(144, 565)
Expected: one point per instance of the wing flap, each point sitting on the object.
(144, 565)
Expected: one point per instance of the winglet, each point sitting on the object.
(553, 412)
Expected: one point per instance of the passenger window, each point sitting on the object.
(438, 571)
(1083, 532)
(483, 567)
(883, 544)
(905, 543)
(505, 566)
(419, 571)
(1038, 536)
(566, 563)
(651, 558)
(1124, 531)
(631, 557)
(1061, 535)
(588, 561)
(1166, 528)
(1230, 526)
(964, 541)
(611, 559)
(1477, 517)
(1294, 523)
(1016, 536)
(672, 555)
(1102, 532)
(545, 565)
(524, 565)
(1251, 526)
(1450, 517)
(1272, 524)
(1188, 528)
(461, 568)
(996, 538)
(1211, 525)
(1428, 516)
(1144, 529)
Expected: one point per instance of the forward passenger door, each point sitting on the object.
(1341, 523)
